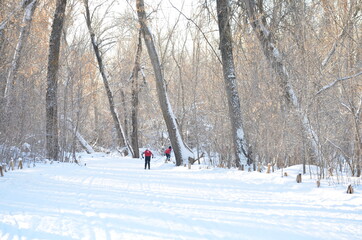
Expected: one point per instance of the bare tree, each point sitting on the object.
(182, 152)
(52, 145)
(241, 148)
(258, 22)
(24, 32)
(122, 140)
(135, 96)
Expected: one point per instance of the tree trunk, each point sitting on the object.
(135, 97)
(274, 57)
(122, 140)
(182, 152)
(7, 85)
(52, 145)
(21, 6)
(242, 155)
(24, 33)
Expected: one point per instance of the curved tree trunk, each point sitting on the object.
(182, 152)
(52, 145)
(241, 151)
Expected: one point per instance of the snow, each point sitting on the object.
(185, 152)
(115, 198)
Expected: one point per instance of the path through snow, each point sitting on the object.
(115, 198)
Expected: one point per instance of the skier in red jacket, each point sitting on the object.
(168, 153)
(147, 153)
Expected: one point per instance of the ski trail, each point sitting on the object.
(115, 198)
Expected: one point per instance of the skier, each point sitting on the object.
(168, 154)
(147, 153)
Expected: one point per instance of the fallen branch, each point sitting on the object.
(88, 148)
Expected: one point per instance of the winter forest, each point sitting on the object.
(240, 83)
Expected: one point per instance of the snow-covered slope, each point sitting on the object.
(115, 198)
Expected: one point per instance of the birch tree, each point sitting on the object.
(52, 145)
(241, 151)
(182, 152)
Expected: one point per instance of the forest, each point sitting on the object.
(240, 83)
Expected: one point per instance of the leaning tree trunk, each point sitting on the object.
(24, 33)
(242, 154)
(122, 140)
(182, 152)
(135, 97)
(4, 100)
(8, 18)
(52, 145)
(271, 52)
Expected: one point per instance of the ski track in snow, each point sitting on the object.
(115, 198)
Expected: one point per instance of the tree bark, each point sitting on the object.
(52, 145)
(122, 140)
(181, 151)
(242, 155)
(135, 97)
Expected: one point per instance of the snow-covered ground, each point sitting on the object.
(115, 198)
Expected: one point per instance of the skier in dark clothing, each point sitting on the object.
(168, 153)
(147, 154)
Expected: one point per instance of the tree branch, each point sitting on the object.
(203, 34)
(336, 81)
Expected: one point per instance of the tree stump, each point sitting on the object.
(268, 170)
(259, 167)
(330, 171)
(318, 183)
(241, 168)
(11, 165)
(350, 189)
(20, 166)
(299, 178)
